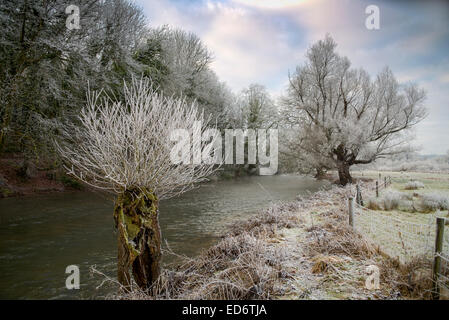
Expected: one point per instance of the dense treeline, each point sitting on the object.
(333, 116)
(46, 69)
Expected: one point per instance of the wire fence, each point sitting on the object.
(402, 237)
(396, 237)
(442, 276)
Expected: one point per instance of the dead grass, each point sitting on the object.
(238, 267)
(414, 185)
(413, 280)
(278, 216)
(339, 239)
(243, 265)
(341, 255)
(302, 249)
(322, 263)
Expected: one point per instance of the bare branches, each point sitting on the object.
(125, 145)
(355, 119)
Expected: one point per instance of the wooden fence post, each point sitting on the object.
(351, 211)
(437, 259)
(377, 189)
(359, 199)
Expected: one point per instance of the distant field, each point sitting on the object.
(433, 183)
(402, 228)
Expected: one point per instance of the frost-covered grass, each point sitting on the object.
(411, 194)
(414, 185)
(432, 181)
(391, 200)
(435, 201)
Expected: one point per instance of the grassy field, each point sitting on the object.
(306, 249)
(402, 220)
(432, 181)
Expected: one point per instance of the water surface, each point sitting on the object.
(41, 235)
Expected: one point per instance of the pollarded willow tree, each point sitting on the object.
(125, 147)
(343, 117)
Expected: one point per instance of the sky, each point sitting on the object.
(261, 41)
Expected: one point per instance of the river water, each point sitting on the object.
(41, 235)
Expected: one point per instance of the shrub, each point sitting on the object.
(71, 183)
(414, 185)
(435, 201)
(408, 196)
(374, 204)
(391, 200)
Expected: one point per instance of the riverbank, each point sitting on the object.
(77, 228)
(303, 249)
(21, 177)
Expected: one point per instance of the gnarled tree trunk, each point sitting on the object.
(343, 173)
(319, 173)
(139, 238)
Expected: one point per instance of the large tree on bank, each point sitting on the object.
(125, 147)
(341, 116)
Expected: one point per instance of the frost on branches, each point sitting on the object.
(124, 147)
(342, 117)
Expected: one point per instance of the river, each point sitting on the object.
(41, 235)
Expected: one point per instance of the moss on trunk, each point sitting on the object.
(139, 237)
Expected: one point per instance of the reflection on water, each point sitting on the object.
(40, 236)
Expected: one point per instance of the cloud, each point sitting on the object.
(262, 40)
(248, 46)
(445, 78)
(269, 4)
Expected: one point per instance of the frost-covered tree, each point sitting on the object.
(119, 29)
(251, 110)
(258, 109)
(295, 142)
(345, 118)
(214, 97)
(186, 57)
(179, 63)
(125, 147)
(45, 66)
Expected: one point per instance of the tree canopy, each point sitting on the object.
(341, 117)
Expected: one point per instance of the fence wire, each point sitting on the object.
(396, 237)
(443, 276)
(399, 237)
